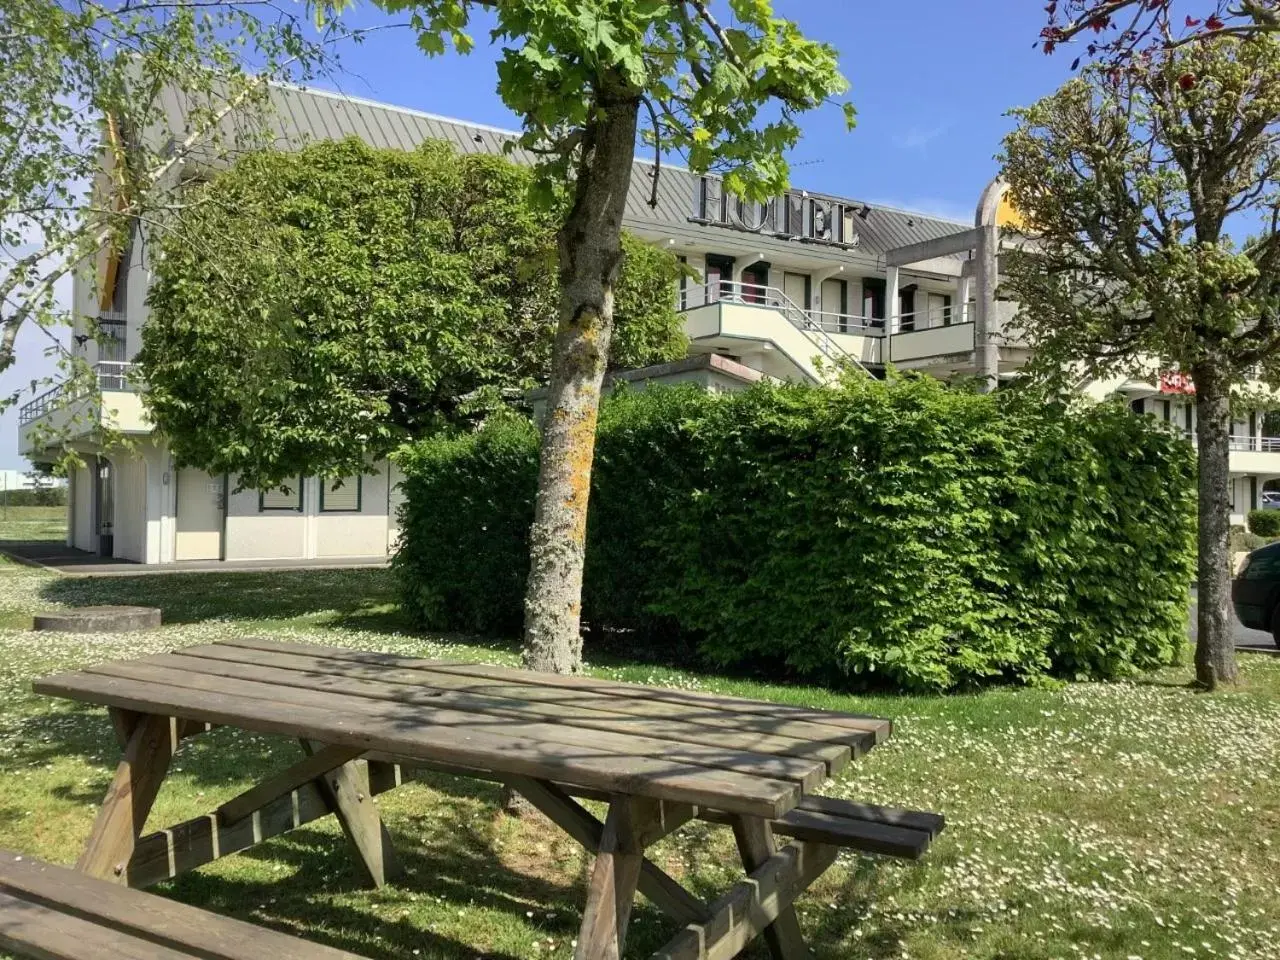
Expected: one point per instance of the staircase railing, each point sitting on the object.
(751, 294)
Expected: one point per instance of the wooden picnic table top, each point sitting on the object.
(745, 757)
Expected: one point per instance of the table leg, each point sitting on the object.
(130, 797)
(745, 911)
(574, 819)
(614, 878)
(348, 794)
(756, 846)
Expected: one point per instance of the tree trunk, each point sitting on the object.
(590, 245)
(1215, 644)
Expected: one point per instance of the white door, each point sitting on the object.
(793, 286)
(833, 305)
(198, 527)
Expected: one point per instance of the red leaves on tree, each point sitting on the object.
(1187, 81)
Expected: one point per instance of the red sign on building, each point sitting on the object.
(1175, 381)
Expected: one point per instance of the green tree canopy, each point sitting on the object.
(581, 75)
(1153, 238)
(86, 90)
(315, 308)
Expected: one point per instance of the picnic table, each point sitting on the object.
(367, 721)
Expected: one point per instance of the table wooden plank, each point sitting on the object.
(403, 729)
(807, 732)
(703, 746)
(177, 925)
(34, 930)
(880, 726)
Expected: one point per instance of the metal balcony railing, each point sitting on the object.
(755, 295)
(109, 375)
(1255, 444)
(829, 321)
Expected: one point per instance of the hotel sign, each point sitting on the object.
(793, 216)
(1175, 381)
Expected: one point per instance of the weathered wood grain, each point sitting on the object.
(756, 847)
(404, 729)
(880, 726)
(742, 913)
(109, 915)
(129, 799)
(346, 791)
(727, 750)
(317, 764)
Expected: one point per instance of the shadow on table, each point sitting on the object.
(446, 832)
(306, 880)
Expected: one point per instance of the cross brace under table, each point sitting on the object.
(337, 780)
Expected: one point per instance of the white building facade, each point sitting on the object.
(782, 290)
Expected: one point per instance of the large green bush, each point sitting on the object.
(900, 533)
(1265, 523)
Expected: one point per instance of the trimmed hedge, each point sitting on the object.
(1265, 523)
(897, 533)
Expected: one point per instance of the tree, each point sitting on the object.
(313, 309)
(1135, 190)
(580, 74)
(1119, 30)
(82, 87)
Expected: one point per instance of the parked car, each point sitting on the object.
(1271, 499)
(1255, 592)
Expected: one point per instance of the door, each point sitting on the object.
(755, 280)
(104, 500)
(201, 502)
(835, 305)
(719, 271)
(796, 287)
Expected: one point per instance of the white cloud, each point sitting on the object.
(917, 138)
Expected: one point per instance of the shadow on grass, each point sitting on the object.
(360, 599)
(446, 833)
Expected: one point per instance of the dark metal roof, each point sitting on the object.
(298, 116)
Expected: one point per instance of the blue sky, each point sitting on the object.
(931, 79)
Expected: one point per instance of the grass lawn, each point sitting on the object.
(33, 523)
(1110, 821)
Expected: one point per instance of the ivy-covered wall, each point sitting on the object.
(900, 533)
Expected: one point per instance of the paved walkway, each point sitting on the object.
(57, 556)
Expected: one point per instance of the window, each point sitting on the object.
(341, 494)
(287, 497)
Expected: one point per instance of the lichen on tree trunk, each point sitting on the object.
(590, 246)
(1215, 644)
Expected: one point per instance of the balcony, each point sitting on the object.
(1259, 456)
(76, 411)
(772, 333)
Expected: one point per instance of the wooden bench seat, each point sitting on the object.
(53, 913)
(885, 831)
